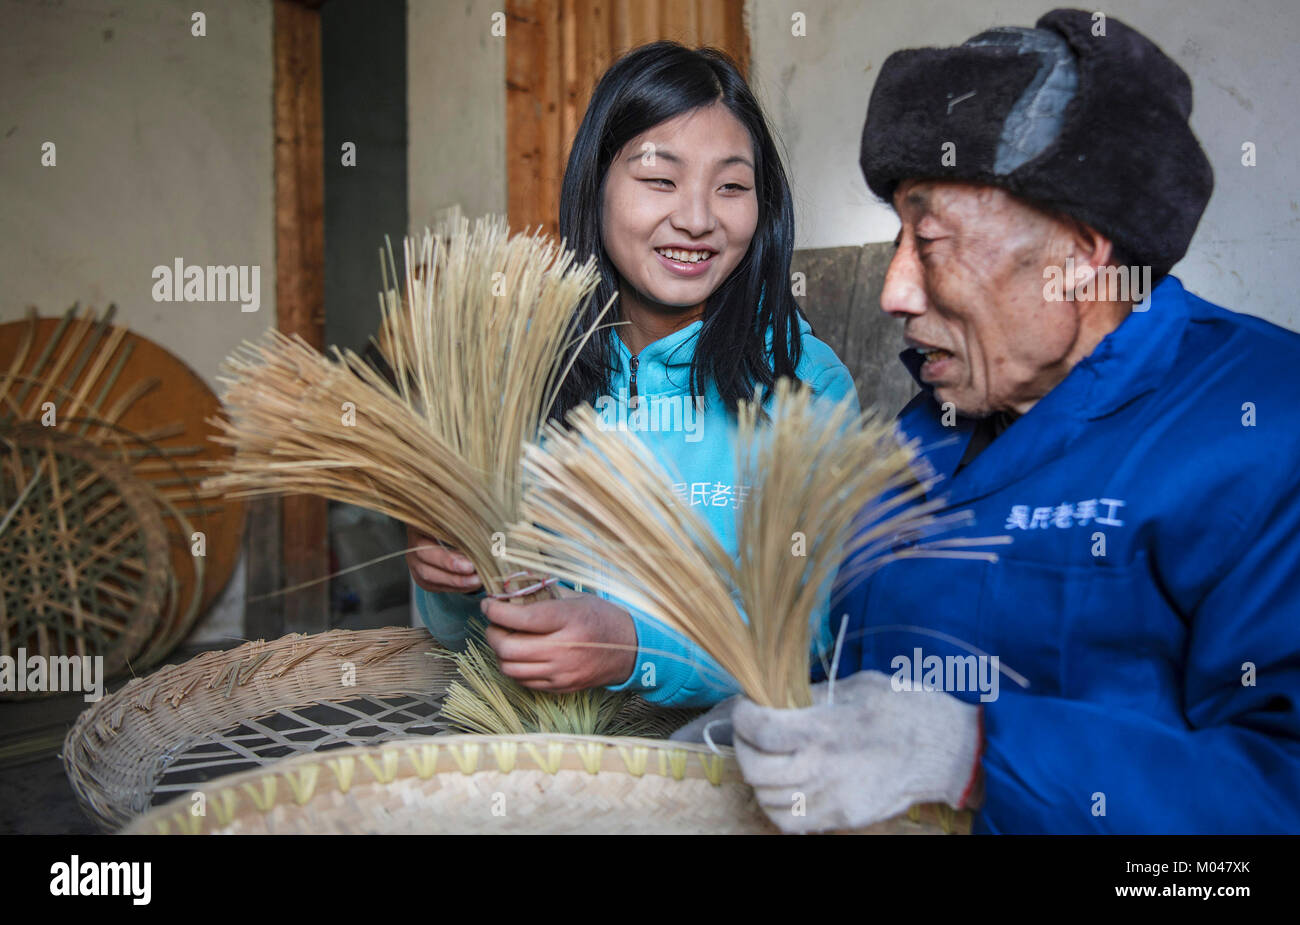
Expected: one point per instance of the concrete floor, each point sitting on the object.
(35, 796)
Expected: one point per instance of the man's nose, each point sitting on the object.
(904, 291)
(693, 214)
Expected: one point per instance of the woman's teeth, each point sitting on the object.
(684, 256)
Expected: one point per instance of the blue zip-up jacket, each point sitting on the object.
(698, 451)
(1151, 596)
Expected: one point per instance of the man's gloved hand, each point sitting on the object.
(719, 716)
(866, 757)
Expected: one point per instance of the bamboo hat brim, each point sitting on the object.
(473, 784)
(262, 702)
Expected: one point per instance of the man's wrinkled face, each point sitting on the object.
(967, 280)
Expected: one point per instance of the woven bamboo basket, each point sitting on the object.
(133, 402)
(471, 784)
(252, 706)
(83, 552)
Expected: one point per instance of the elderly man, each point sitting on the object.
(1144, 625)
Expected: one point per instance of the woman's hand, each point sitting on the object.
(438, 568)
(535, 642)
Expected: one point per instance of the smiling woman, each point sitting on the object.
(678, 216)
(674, 160)
(675, 187)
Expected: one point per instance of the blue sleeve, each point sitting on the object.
(446, 614)
(834, 383)
(671, 670)
(1235, 765)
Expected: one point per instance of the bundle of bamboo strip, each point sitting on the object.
(825, 486)
(477, 344)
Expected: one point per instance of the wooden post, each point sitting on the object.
(534, 113)
(296, 535)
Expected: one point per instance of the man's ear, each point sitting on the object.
(1090, 245)
(1088, 248)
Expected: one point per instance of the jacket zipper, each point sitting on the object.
(635, 362)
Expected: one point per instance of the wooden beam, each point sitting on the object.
(299, 173)
(300, 305)
(534, 113)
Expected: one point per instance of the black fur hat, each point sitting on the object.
(1093, 125)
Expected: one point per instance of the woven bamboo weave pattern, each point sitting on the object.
(529, 784)
(85, 378)
(254, 705)
(83, 551)
(118, 750)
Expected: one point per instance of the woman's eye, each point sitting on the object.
(660, 182)
(735, 187)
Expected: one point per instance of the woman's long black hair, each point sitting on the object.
(645, 87)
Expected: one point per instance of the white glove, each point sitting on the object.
(717, 720)
(867, 757)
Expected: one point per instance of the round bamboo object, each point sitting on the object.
(120, 748)
(466, 784)
(84, 562)
(137, 401)
(254, 705)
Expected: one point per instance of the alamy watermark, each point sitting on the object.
(950, 674)
(1107, 284)
(234, 283)
(76, 877)
(656, 413)
(51, 673)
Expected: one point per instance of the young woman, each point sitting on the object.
(675, 184)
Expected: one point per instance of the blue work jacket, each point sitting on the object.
(1146, 617)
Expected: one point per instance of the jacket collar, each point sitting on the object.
(1131, 361)
(678, 348)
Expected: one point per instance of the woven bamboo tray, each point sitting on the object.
(227, 711)
(138, 403)
(249, 707)
(83, 552)
(467, 784)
